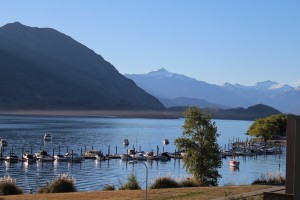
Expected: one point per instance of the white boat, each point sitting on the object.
(91, 153)
(60, 158)
(182, 153)
(139, 156)
(47, 137)
(100, 156)
(126, 157)
(3, 142)
(43, 156)
(234, 163)
(74, 157)
(28, 157)
(166, 141)
(125, 142)
(12, 158)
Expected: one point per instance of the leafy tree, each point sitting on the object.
(202, 158)
(269, 127)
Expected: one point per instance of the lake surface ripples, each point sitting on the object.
(84, 133)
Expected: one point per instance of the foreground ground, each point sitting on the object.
(204, 193)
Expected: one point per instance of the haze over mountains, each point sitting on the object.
(42, 68)
(179, 90)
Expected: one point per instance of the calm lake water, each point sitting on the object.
(85, 133)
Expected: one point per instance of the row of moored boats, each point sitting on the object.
(43, 156)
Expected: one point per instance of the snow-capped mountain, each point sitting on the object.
(171, 86)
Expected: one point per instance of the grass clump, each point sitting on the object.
(8, 186)
(62, 183)
(190, 182)
(164, 182)
(270, 179)
(132, 183)
(109, 187)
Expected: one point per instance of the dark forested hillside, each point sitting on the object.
(42, 68)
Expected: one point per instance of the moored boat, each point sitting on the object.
(43, 156)
(60, 158)
(166, 141)
(234, 163)
(74, 157)
(12, 158)
(91, 154)
(28, 157)
(48, 137)
(126, 142)
(3, 142)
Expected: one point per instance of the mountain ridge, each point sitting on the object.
(42, 68)
(169, 87)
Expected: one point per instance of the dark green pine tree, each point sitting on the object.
(202, 158)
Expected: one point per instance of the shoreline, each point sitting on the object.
(159, 114)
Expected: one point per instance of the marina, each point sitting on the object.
(90, 136)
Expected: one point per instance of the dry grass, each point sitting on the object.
(203, 193)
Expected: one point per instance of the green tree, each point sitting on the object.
(202, 158)
(269, 127)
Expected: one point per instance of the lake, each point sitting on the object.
(85, 133)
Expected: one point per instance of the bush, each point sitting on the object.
(109, 187)
(270, 179)
(190, 182)
(8, 186)
(62, 183)
(132, 183)
(164, 182)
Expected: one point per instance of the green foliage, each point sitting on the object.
(109, 187)
(164, 182)
(270, 179)
(132, 183)
(62, 183)
(269, 127)
(202, 158)
(8, 186)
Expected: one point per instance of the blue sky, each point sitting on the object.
(214, 41)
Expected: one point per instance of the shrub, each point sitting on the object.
(132, 183)
(62, 183)
(270, 179)
(109, 187)
(164, 182)
(8, 186)
(190, 182)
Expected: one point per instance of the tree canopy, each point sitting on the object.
(199, 140)
(269, 127)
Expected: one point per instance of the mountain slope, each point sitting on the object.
(42, 68)
(170, 86)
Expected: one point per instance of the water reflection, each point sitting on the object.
(107, 134)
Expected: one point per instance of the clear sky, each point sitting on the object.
(235, 41)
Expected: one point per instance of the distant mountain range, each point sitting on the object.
(250, 113)
(42, 68)
(179, 90)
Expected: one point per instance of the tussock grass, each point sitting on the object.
(132, 183)
(270, 179)
(8, 186)
(62, 183)
(164, 182)
(190, 182)
(108, 187)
